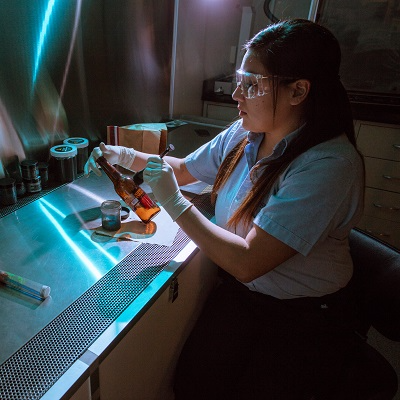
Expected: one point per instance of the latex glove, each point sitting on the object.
(120, 155)
(160, 176)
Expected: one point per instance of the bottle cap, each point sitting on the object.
(29, 163)
(45, 291)
(64, 151)
(77, 142)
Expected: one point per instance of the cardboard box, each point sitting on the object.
(146, 137)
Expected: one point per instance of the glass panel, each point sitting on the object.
(369, 34)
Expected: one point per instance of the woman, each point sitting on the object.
(288, 183)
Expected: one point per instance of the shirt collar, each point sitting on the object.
(255, 139)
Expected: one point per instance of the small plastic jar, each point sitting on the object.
(29, 169)
(82, 145)
(20, 187)
(33, 185)
(44, 173)
(65, 162)
(8, 192)
(111, 215)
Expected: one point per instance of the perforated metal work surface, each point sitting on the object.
(35, 367)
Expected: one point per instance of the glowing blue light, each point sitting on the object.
(92, 268)
(42, 37)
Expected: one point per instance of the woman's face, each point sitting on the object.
(258, 113)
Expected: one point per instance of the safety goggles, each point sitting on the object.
(255, 85)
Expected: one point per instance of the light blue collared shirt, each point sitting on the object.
(312, 207)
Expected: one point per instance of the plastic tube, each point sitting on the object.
(26, 286)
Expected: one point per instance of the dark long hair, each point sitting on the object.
(306, 50)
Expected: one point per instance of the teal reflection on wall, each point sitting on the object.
(36, 43)
(42, 37)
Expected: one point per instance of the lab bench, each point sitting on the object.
(118, 312)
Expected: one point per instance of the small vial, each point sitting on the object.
(44, 173)
(20, 187)
(33, 185)
(111, 215)
(26, 286)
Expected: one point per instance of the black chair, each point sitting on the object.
(368, 375)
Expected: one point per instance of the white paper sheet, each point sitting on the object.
(161, 230)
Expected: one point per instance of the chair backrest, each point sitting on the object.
(377, 283)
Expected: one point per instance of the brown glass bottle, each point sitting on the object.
(133, 195)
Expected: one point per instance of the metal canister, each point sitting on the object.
(29, 169)
(33, 185)
(8, 192)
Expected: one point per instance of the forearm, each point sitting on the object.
(134, 160)
(140, 160)
(182, 174)
(226, 249)
(244, 258)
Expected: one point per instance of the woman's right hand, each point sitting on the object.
(120, 155)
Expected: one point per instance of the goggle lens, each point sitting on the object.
(255, 85)
(252, 85)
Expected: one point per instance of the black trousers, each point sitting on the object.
(250, 346)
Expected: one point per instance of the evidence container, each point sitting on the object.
(20, 187)
(33, 185)
(65, 168)
(44, 173)
(82, 147)
(29, 169)
(8, 192)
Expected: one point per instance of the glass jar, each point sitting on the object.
(111, 215)
(65, 162)
(82, 147)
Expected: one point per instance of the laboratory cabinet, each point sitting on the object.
(142, 365)
(220, 111)
(84, 392)
(380, 145)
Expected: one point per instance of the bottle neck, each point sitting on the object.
(138, 177)
(109, 169)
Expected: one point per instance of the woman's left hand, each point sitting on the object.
(160, 176)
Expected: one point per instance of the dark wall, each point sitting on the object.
(70, 68)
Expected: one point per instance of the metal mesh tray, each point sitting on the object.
(34, 368)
